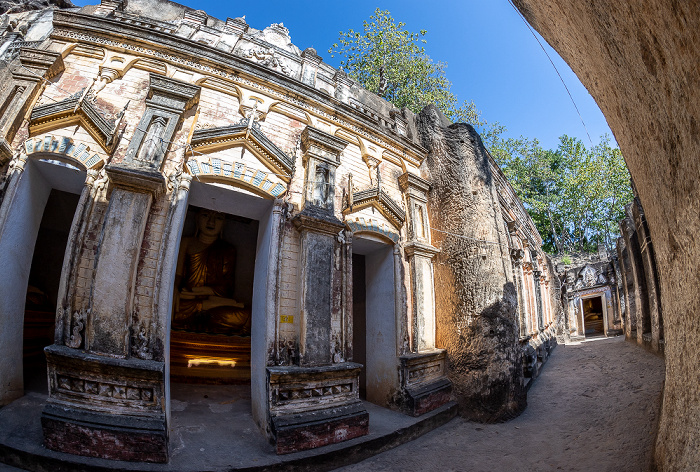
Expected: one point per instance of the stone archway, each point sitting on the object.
(639, 61)
(29, 188)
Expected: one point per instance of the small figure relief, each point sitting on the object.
(589, 276)
(322, 187)
(266, 57)
(153, 143)
(204, 282)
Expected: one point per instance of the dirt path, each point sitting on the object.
(594, 408)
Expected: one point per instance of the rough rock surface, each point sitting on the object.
(640, 60)
(476, 299)
(18, 6)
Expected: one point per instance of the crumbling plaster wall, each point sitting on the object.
(639, 61)
(476, 299)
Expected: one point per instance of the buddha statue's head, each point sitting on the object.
(210, 223)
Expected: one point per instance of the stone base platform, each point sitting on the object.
(204, 437)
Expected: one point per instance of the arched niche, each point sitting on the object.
(227, 194)
(35, 173)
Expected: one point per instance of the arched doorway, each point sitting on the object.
(211, 364)
(593, 316)
(38, 213)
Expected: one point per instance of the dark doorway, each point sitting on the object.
(374, 319)
(359, 319)
(42, 289)
(211, 326)
(593, 320)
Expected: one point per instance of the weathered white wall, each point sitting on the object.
(263, 325)
(381, 370)
(17, 238)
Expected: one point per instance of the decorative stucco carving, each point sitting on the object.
(267, 57)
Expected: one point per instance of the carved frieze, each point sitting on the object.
(266, 57)
(415, 154)
(295, 389)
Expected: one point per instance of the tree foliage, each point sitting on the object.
(391, 61)
(575, 195)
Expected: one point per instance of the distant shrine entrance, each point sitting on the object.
(212, 298)
(593, 318)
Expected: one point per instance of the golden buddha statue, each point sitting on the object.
(204, 282)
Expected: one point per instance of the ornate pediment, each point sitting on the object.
(380, 200)
(369, 225)
(250, 136)
(80, 109)
(589, 277)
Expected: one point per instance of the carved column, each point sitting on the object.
(117, 397)
(517, 258)
(641, 297)
(629, 313)
(299, 422)
(309, 66)
(343, 85)
(652, 278)
(421, 392)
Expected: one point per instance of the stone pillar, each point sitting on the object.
(309, 66)
(630, 320)
(651, 274)
(105, 401)
(537, 277)
(420, 255)
(517, 257)
(476, 300)
(528, 291)
(422, 371)
(343, 85)
(641, 297)
(298, 421)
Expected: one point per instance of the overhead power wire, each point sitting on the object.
(555, 67)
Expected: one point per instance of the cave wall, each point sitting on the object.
(639, 61)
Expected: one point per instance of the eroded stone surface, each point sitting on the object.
(476, 299)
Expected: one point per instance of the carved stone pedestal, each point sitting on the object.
(424, 386)
(315, 406)
(105, 407)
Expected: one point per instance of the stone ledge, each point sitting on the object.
(136, 180)
(20, 445)
(313, 429)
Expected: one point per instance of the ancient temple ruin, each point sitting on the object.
(190, 199)
(593, 300)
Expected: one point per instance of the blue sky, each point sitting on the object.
(492, 57)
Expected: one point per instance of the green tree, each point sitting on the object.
(574, 195)
(391, 61)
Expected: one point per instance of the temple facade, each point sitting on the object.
(592, 296)
(186, 199)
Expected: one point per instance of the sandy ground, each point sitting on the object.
(594, 408)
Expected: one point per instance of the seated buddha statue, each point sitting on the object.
(204, 282)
